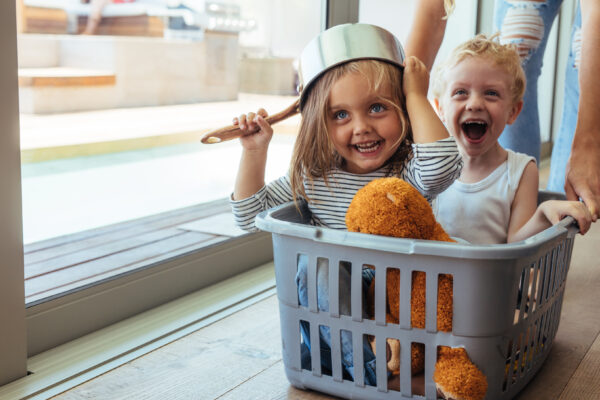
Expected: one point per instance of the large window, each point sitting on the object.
(122, 208)
(110, 122)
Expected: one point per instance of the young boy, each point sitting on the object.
(477, 92)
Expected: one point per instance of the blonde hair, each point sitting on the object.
(487, 47)
(448, 7)
(314, 155)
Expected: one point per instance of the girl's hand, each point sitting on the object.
(257, 131)
(416, 77)
(555, 210)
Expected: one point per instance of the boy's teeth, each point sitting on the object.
(366, 147)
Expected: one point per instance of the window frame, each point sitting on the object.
(13, 347)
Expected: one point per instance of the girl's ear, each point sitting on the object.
(514, 112)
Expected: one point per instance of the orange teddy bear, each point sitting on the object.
(392, 207)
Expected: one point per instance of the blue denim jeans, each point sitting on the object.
(524, 134)
(562, 143)
(324, 332)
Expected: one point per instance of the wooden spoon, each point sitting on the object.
(234, 132)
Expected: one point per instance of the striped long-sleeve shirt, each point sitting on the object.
(433, 167)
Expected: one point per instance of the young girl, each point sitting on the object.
(362, 119)
(479, 91)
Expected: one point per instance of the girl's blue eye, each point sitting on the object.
(459, 92)
(377, 108)
(340, 115)
(491, 93)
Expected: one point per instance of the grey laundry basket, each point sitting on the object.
(506, 337)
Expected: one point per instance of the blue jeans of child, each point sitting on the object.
(524, 134)
(324, 331)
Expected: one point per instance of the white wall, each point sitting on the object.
(284, 27)
(396, 16)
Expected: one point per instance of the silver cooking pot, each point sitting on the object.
(344, 43)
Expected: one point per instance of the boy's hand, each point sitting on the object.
(555, 210)
(257, 131)
(416, 77)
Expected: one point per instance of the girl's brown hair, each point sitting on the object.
(314, 155)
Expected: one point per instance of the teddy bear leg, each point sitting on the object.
(456, 377)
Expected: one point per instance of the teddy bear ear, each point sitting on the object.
(391, 197)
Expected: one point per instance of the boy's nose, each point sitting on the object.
(474, 103)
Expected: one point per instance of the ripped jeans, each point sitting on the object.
(324, 331)
(527, 24)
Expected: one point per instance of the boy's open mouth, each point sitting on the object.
(368, 147)
(474, 130)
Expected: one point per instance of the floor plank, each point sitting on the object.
(585, 383)
(204, 365)
(271, 384)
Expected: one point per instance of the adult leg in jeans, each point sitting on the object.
(526, 24)
(324, 332)
(562, 144)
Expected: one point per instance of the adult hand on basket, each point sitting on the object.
(582, 178)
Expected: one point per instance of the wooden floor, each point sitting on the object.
(68, 262)
(239, 357)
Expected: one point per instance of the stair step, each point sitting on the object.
(65, 76)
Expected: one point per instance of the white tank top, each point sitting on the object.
(480, 212)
